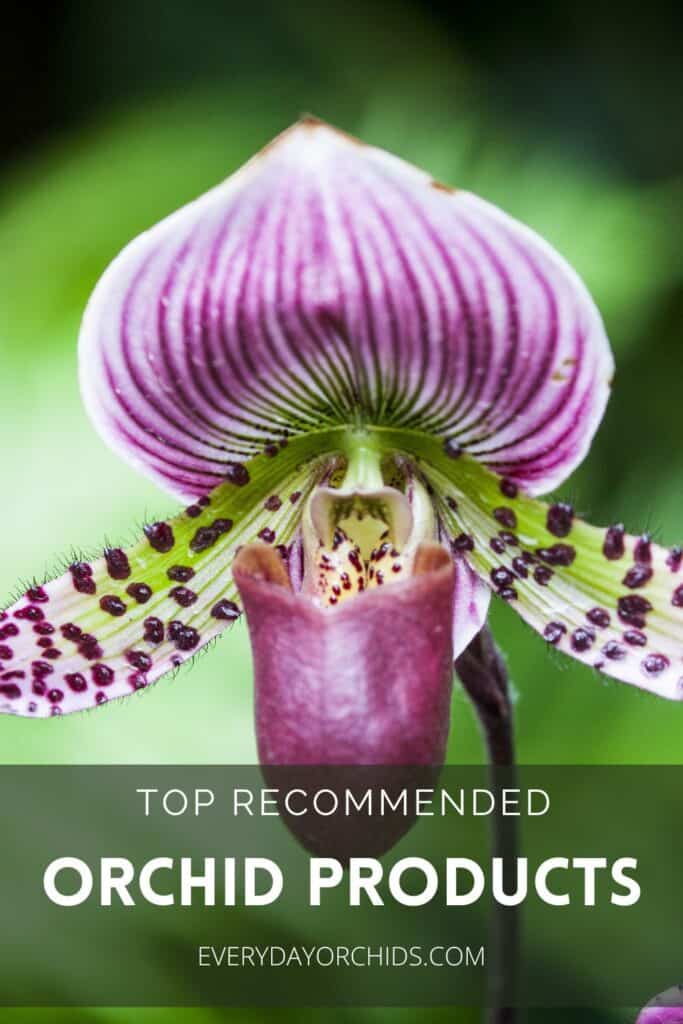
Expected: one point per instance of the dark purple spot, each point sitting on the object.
(10, 690)
(599, 617)
(508, 488)
(520, 567)
(154, 630)
(642, 551)
(613, 547)
(452, 449)
(140, 592)
(554, 632)
(55, 696)
(138, 659)
(80, 570)
(180, 573)
(582, 639)
(558, 554)
(674, 559)
(5, 652)
(273, 503)
(160, 536)
(543, 575)
(236, 473)
(89, 648)
(294, 497)
(502, 577)
(221, 526)
(100, 698)
(76, 682)
(17, 674)
(55, 711)
(271, 450)
(41, 669)
(81, 576)
(85, 586)
(184, 596)
(638, 576)
(508, 594)
(614, 651)
(39, 687)
(677, 599)
(185, 638)
(112, 605)
(137, 680)
(225, 610)
(11, 629)
(37, 595)
(497, 545)
(655, 664)
(267, 535)
(44, 641)
(632, 609)
(203, 539)
(506, 517)
(193, 511)
(52, 653)
(452, 503)
(31, 612)
(102, 675)
(118, 565)
(463, 542)
(44, 629)
(635, 638)
(559, 519)
(70, 631)
(509, 538)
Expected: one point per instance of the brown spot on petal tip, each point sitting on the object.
(307, 120)
(431, 558)
(261, 562)
(440, 187)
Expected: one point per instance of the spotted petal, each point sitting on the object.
(116, 624)
(609, 599)
(329, 283)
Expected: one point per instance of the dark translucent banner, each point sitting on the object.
(319, 886)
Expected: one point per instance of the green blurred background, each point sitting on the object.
(115, 114)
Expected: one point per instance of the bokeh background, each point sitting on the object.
(114, 114)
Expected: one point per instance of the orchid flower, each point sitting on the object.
(357, 380)
(666, 1008)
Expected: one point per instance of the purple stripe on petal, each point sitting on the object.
(327, 281)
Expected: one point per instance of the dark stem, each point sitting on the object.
(483, 673)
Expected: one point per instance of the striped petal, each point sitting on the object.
(114, 625)
(611, 600)
(329, 283)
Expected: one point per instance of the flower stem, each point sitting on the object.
(483, 673)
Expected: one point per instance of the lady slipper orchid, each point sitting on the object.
(358, 380)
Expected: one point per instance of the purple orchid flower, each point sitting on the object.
(666, 1008)
(357, 379)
